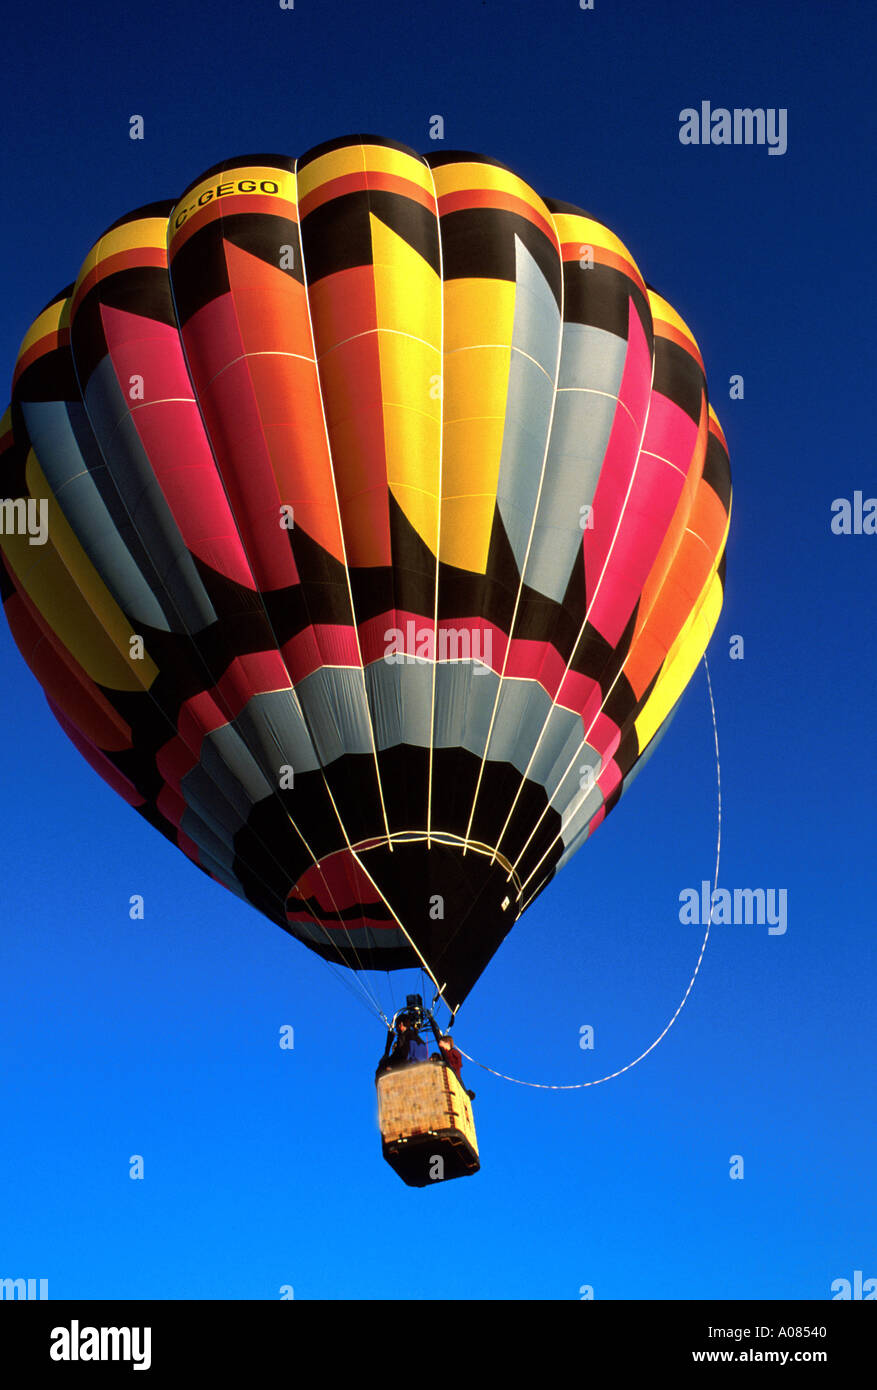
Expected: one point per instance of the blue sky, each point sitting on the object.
(160, 1037)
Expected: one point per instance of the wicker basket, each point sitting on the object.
(426, 1124)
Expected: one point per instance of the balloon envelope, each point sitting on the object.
(385, 521)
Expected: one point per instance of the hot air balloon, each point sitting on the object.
(385, 516)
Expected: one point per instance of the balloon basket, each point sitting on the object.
(426, 1124)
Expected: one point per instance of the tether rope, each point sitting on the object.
(580, 1085)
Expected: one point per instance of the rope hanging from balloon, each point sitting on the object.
(598, 1081)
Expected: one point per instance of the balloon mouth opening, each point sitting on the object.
(412, 898)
